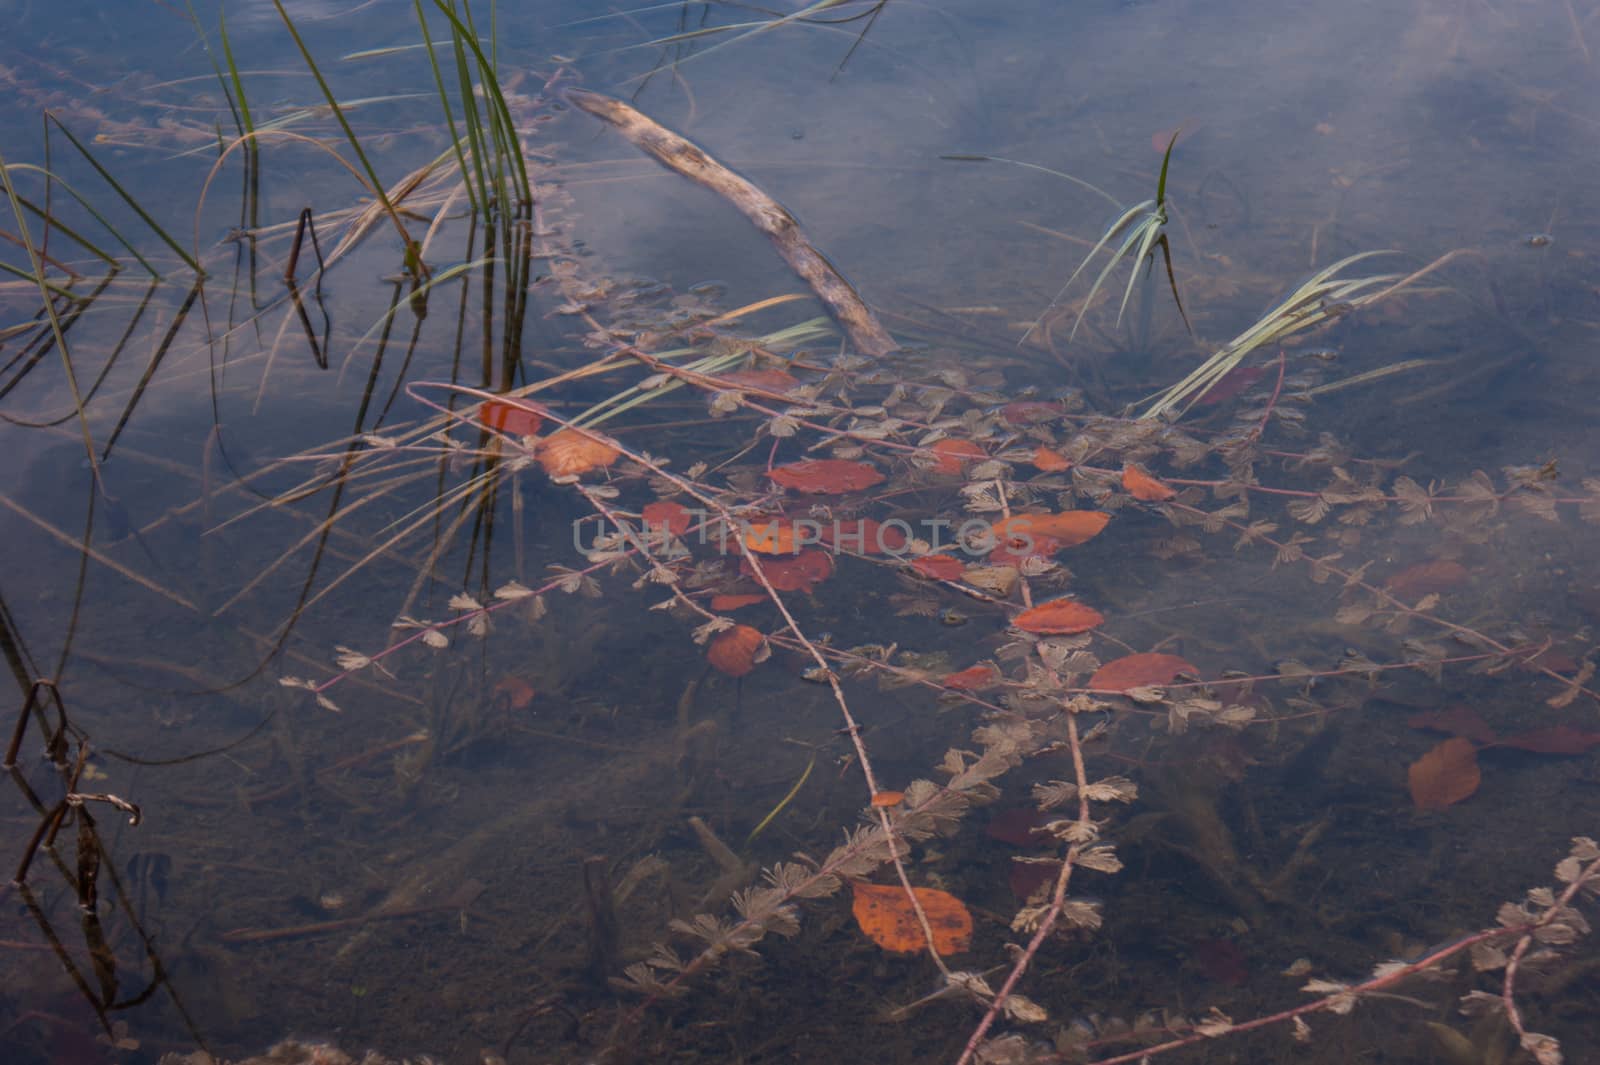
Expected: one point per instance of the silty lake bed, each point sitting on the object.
(544, 628)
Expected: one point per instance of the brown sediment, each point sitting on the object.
(866, 333)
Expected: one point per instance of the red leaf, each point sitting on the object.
(1028, 877)
(734, 651)
(1232, 383)
(1051, 461)
(797, 574)
(1070, 527)
(826, 476)
(517, 692)
(955, 454)
(970, 679)
(514, 417)
(765, 380)
(1138, 671)
(939, 567)
(1019, 826)
(665, 514)
(734, 602)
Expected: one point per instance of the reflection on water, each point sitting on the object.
(420, 769)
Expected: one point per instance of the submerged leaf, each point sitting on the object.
(736, 651)
(1138, 671)
(1059, 617)
(826, 476)
(1144, 487)
(886, 916)
(1445, 775)
(1070, 527)
(953, 455)
(570, 452)
(512, 417)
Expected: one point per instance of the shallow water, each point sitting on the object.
(403, 866)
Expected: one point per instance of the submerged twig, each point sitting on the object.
(677, 153)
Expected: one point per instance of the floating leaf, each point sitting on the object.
(826, 476)
(1070, 527)
(734, 602)
(513, 417)
(665, 514)
(1051, 461)
(736, 651)
(1059, 617)
(939, 567)
(1138, 671)
(1426, 578)
(887, 918)
(1143, 487)
(1445, 775)
(953, 455)
(888, 798)
(570, 452)
(772, 538)
(970, 679)
(797, 574)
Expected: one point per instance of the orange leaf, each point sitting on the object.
(817, 476)
(888, 798)
(939, 567)
(1016, 551)
(573, 451)
(734, 602)
(970, 679)
(1137, 671)
(1051, 461)
(734, 652)
(954, 454)
(795, 574)
(765, 380)
(889, 920)
(1445, 775)
(517, 692)
(771, 538)
(665, 514)
(514, 417)
(1142, 486)
(1070, 527)
(1059, 617)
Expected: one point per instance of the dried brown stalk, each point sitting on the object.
(681, 155)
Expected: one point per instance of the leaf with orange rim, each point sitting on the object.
(1059, 617)
(569, 452)
(826, 476)
(1143, 487)
(885, 915)
(736, 650)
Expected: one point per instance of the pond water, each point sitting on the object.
(423, 761)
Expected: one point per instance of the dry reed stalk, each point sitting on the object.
(678, 154)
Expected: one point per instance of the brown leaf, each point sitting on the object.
(1457, 720)
(887, 918)
(1445, 775)
(1554, 739)
(665, 514)
(1139, 670)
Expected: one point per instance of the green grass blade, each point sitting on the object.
(449, 115)
(491, 85)
(87, 206)
(233, 74)
(127, 197)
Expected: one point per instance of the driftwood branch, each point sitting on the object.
(866, 333)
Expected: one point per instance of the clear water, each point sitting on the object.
(272, 826)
